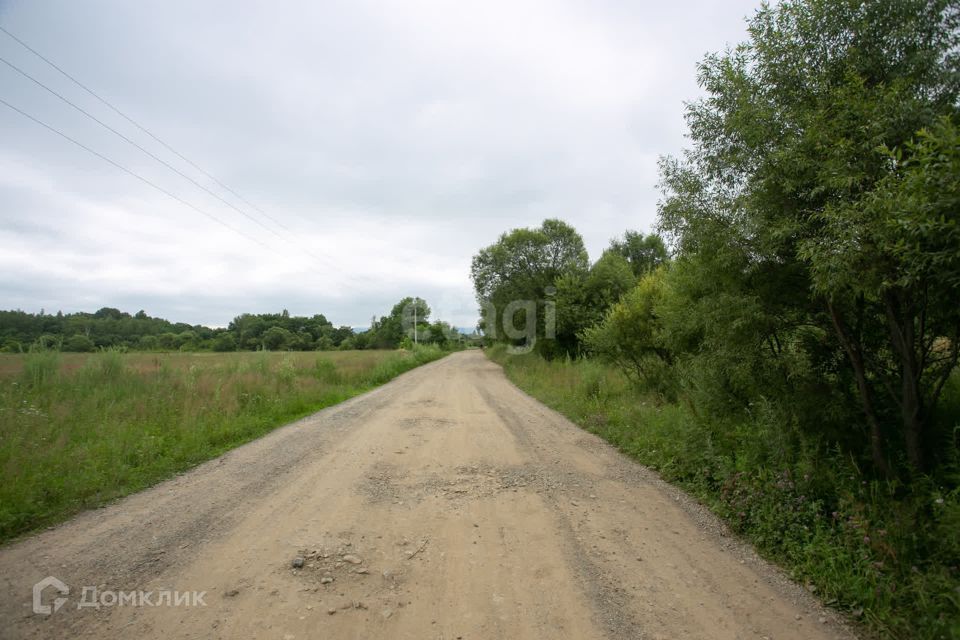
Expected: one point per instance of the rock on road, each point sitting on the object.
(445, 504)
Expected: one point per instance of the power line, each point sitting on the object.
(136, 175)
(141, 127)
(323, 261)
(155, 157)
(133, 143)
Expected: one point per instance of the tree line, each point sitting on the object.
(793, 361)
(813, 226)
(110, 328)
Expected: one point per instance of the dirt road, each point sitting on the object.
(446, 504)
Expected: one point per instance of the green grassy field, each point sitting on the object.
(79, 430)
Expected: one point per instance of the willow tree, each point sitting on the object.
(820, 195)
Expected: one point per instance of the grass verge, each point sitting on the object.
(80, 431)
(886, 554)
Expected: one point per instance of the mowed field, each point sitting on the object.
(78, 430)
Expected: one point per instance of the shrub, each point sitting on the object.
(79, 343)
(630, 336)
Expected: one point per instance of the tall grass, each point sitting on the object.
(75, 437)
(886, 554)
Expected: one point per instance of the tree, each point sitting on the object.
(110, 327)
(891, 261)
(248, 328)
(302, 341)
(340, 334)
(389, 331)
(410, 313)
(276, 339)
(108, 313)
(167, 340)
(79, 343)
(225, 341)
(187, 340)
(631, 335)
(776, 208)
(644, 253)
(441, 333)
(520, 268)
(582, 299)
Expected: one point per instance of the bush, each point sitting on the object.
(11, 346)
(224, 342)
(79, 344)
(630, 336)
(277, 339)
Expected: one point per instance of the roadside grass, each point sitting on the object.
(77, 431)
(886, 554)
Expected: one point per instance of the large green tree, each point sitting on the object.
(583, 298)
(517, 274)
(389, 331)
(803, 240)
(888, 267)
(644, 252)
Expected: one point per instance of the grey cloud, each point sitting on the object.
(395, 138)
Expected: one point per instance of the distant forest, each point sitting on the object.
(110, 328)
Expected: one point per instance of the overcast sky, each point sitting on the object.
(390, 139)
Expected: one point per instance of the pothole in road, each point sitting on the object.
(425, 422)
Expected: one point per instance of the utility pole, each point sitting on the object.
(414, 321)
